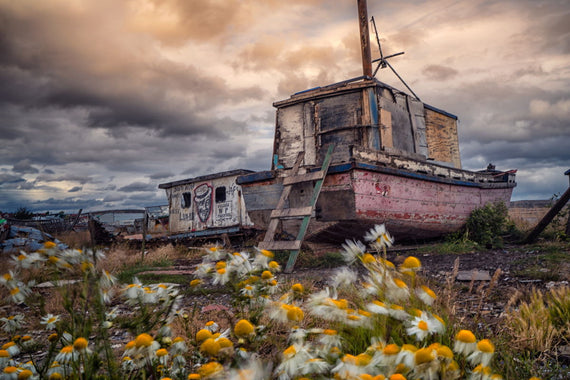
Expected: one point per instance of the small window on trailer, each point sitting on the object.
(220, 194)
(186, 200)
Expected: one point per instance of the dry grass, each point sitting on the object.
(75, 239)
(448, 295)
(120, 257)
(530, 326)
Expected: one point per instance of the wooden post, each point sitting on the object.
(144, 230)
(91, 228)
(76, 220)
(567, 172)
(533, 235)
(364, 38)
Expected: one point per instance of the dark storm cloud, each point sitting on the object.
(138, 186)
(67, 177)
(110, 187)
(161, 175)
(75, 189)
(52, 204)
(113, 198)
(117, 85)
(6, 178)
(24, 166)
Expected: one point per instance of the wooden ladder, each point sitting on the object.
(305, 212)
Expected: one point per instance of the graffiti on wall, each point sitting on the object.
(203, 200)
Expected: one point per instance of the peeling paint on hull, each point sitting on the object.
(412, 208)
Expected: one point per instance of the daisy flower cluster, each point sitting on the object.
(374, 320)
(387, 306)
(78, 342)
(252, 277)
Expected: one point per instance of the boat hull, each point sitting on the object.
(413, 206)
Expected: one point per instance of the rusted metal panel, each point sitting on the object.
(417, 204)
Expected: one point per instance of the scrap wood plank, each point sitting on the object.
(533, 235)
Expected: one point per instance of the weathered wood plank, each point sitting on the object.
(293, 245)
(292, 212)
(307, 177)
(386, 129)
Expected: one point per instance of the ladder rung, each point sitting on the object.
(284, 245)
(312, 176)
(292, 212)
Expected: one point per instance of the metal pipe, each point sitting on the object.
(364, 38)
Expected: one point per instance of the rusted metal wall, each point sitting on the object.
(201, 205)
(442, 140)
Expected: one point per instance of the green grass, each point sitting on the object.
(307, 259)
(451, 247)
(544, 262)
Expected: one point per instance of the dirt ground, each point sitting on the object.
(473, 302)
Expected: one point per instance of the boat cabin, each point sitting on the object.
(362, 117)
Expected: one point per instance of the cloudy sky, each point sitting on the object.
(100, 101)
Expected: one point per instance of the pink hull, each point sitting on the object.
(413, 206)
(410, 206)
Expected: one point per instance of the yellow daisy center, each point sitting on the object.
(424, 355)
(422, 325)
(391, 349)
(80, 344)
(243, 328)
(486, 346)
(465, 336)
(143, 340)
(411, 262)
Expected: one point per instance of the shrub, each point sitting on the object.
(487, 224)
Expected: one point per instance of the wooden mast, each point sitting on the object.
(364, 38)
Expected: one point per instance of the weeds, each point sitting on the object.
(486, 225)
(373, 320)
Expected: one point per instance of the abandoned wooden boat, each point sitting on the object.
(377, 154)
(346, 156)
(395, 160)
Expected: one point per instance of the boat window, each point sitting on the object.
(186, 200)
(220, 194)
